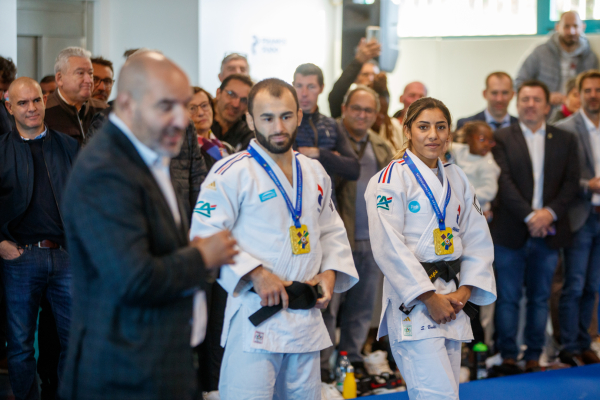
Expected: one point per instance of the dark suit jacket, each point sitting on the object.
(480, 117)
(581, 206)
(515, 185)
(133, 280)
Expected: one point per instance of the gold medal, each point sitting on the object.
(442, 241)
(299, 238)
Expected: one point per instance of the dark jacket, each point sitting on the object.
(64, 118)
(238, 136)
(480, 117)
(7, 121)
(317, 130)
(188, 169)
(341, 86)
(557, 115)
(133, 280)
(16, 173)
(581, 207)
(515, 185)
(346, 190)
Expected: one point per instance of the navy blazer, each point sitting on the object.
(133, 280)
(515, 185)
(480, 117)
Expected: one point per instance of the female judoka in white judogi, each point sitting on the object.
(424, 320)
(249, 194)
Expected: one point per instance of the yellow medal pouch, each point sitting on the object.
(300, 239)
(442, 240)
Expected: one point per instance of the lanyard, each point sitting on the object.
(441, 217)
(296, 212)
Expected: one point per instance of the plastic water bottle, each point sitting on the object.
(481, 351)
(349, 389)
(340, 371)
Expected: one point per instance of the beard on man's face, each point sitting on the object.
(276, 148)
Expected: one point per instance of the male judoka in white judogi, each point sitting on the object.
(280, 356)
(401, 223)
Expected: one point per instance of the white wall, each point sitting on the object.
(8, 32)
(276, 35)
(171, 27)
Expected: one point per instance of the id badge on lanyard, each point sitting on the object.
(442, 236)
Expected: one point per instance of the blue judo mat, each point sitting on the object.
(572, 383)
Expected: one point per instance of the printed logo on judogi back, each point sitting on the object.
(414, 206)
(447, 240)
(384, 202)
(268, 195)
(258, 337)
(204, 208)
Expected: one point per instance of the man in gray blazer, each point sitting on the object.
(136, 277)
(582, 258)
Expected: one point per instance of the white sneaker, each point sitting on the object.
(376, 363)
(214, 395)
(329, 392)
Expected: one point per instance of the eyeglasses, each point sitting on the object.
(234, 96)
(358, 109)
(193, 108)
(108, 82)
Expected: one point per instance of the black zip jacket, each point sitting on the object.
(16, 173)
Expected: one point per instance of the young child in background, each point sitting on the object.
(476, 160)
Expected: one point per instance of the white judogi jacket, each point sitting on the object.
(401, 230)
(239, 195)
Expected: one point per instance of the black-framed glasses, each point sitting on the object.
(107, 81)
(194, 108)
(234, 96)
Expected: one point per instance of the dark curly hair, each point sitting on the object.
(8, 70)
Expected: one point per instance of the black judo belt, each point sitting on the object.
(447, 270)
(301, 297)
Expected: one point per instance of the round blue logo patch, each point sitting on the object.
(414, 206)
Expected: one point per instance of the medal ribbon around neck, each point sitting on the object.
(296, 212)
(441, 217)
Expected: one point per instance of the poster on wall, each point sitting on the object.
(275, 36)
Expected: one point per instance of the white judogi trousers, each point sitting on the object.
(265, 375)
(430, 367)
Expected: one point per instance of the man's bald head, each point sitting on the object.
(18, 84)
(152, 97)
(26, 104)
(570, 28)
(143, 69)
(412, 92)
